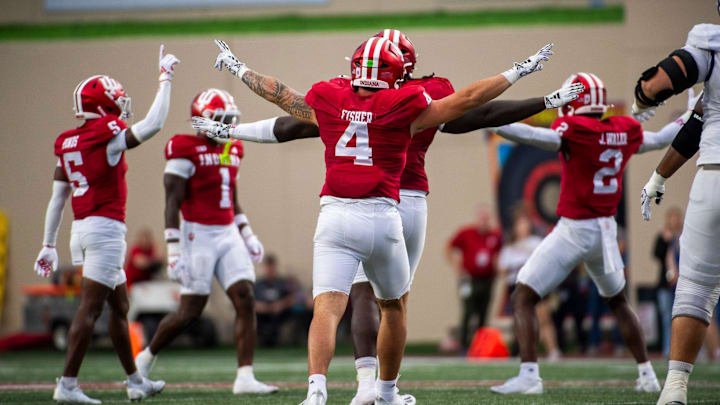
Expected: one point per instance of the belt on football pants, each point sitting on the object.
(711, 167)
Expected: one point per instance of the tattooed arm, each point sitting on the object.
(269, 88)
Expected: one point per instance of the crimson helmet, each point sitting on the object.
(100, 95)
(591, 101)
(377, 64)
(215, 104)
(406, 47)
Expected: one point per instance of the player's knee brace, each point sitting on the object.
(680, 81)
(694, 299)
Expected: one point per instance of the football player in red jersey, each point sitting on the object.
(214, 240)
(414, 187)
(91, 166)
(367, 129)
(594, 152)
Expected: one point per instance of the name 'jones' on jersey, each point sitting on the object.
(211, 182)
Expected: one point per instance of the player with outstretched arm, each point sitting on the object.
(594, 152)
(214, 240)
(414, 186)
(359, 221)
(91, 167)
(698, 286)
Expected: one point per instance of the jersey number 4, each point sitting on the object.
(599, 180)
(362, 152)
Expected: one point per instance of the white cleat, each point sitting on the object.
(520, 385)
(146, 389)
(144, 362)
(364, 397)
(316, 398)
(397, 400)
(72, 396)
(408, 399)
(647, 384)
(252, 386)
(674, 392)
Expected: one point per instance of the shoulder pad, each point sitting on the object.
(238, 148)
(436, 87)
(183, 146)
(704, 36)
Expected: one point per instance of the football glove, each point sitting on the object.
(563, 96)
(213, 129)
(256, 249)
(46, 261)
(175, 266)
(166, 64)
(653, 190)
(229, 60)
(692, 98)
(531, 64)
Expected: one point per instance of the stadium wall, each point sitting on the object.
(279, 184)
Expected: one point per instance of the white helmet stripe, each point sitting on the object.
(366, 53)
(386, 33)
(593, 87)
(376, 57)
(601, 87)
(396, 37)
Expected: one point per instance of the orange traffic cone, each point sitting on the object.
(488, 343)
(137, 337)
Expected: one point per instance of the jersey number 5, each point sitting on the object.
(77, 180)
(599, 180)
(362, 150)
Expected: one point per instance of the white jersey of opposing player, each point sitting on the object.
(704, 44)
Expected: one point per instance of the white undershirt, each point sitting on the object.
(180, 167)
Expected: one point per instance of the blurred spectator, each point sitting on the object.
(301, 311)
(665, 253)
(517, 250)
(472, 251)
(143, 260)
(274, 299)
(572, 299)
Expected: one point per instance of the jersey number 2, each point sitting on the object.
(77, 180)
(362, 152)
(599, 180)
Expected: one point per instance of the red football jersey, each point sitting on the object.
(479, 249)
(594, 154)
(99, 189)
(208, 196)
(366, 137)
(414, 176)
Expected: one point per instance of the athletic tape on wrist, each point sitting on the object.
(172, 233)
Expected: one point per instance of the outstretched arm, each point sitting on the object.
(269, 88)
(543, 138)
(479, 92)
(272, 130)
(500, 112)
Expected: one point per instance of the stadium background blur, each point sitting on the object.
(279, 184)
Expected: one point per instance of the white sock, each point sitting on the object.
(530, 369)
(386, 389)
(245, 373)
(148, 353)
(645, 370)
(317, 382)
(366, 369)
(69, 382)
(135, 378)
(680, 366)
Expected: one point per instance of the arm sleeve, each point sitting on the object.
(543, 138)
(258, 131)
(54, 213)
(180, 167)
(155, 118)
(662, 138)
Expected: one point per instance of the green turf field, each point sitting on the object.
(205, 377)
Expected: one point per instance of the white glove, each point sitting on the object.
(642, 114)
(46, 261)
(213, 129)
(560, 97)
(166, 64)
(654, 189)
(256, 249)
(692, 99)
(175, 265)
(532, 64)
(227, 58)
